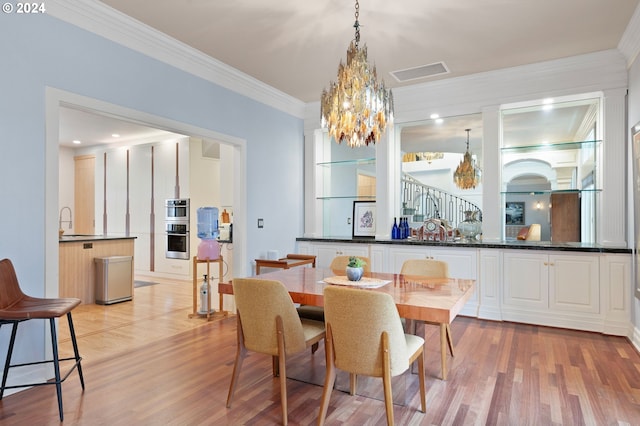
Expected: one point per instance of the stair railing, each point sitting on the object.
(421, 202)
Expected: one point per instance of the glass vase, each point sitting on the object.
(470, 227)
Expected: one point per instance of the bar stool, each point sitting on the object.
(16, 307)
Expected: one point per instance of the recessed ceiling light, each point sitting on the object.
(434, 116)
(115, 135)
(439, 120)
(77, 142)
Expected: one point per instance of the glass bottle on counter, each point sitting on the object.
(395, 230)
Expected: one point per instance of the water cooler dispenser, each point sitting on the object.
(208, 249)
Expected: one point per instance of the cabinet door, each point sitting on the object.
(398, 255)
(525, 280)
(84, 194)
(463, 263)
(574, 283)
(326, 252)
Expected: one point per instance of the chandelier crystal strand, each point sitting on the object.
(467, 175)
(356, 108)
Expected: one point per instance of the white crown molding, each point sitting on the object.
(629, 44)
(113, 25)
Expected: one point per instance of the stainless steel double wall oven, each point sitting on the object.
(177, 228)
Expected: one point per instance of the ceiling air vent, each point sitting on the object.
(423, 71)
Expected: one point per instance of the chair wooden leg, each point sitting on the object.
(314, 348)
(423, 390)
(450, 339)
(282, 369)
(329, 378)
(7, 363)
(443, 350)
(386, 378)
(241, 353)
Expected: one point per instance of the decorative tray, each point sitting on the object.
(364, 282)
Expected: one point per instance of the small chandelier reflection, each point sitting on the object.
(430, 156)
(467, 175)
(356, 108)
(422, 156)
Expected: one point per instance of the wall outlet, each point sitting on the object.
(348, 221)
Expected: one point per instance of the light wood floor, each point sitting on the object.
(147, 363)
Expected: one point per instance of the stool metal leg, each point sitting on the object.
(9, 353)
(75, 348)
(55, 361)
(56, 364)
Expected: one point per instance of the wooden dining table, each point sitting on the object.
(436, 300)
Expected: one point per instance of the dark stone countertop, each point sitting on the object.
(510, 244)
(81, 237)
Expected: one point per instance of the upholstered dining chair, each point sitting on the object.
(433, 269)
(269, 324)
(16, 307)
(365, 337)
(338, 266)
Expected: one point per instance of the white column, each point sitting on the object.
(492, 211)
(611, 209)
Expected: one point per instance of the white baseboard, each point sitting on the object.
(635, 337)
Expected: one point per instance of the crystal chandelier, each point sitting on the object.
(467, 175)
(356, 108)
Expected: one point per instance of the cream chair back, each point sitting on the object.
(425, 268)
(339, 264)
(358, 318)
(259, 302)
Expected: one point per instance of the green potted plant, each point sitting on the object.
(355, 268)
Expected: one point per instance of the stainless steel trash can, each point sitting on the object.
(114, 279)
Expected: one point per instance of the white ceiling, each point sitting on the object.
(295, 46)
(92, 128)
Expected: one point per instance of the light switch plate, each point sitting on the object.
(260, 223)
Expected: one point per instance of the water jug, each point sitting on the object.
(208, 223)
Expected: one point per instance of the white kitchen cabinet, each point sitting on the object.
(526, 280)
(554, 289)
(574, 283)
(576, 290)
(325, 252)
(462, 261)
(616, 293)
(490, 293)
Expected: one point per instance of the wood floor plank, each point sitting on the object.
(147, 363)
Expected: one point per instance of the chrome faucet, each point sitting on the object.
(65, 221)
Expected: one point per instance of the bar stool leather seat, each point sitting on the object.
(16, 307)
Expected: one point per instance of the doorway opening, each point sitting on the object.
(57, 99)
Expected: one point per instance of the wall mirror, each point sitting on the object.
(431, 151)
(550, 154)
